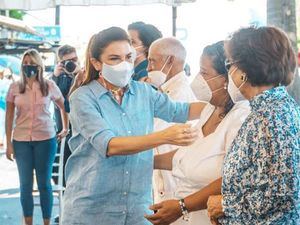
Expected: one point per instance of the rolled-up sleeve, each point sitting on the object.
(54, 91)
(10, 97)
(89, 123)
(168, 110)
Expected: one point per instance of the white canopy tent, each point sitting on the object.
(43, 4)
(16, 25)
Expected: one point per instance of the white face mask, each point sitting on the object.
(118, 75)
(201, 89)
(157, 77)
(234, 91)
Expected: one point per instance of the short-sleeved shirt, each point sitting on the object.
(33, 118)
(117, 189)
(140, 70)
(199, 164)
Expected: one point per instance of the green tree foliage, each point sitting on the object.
(16, 14)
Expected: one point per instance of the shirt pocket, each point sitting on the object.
(42, 102)
(42, 105)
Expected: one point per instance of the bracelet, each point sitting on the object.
(184, 211)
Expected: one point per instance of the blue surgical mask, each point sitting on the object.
(30, 70)
(118, 75)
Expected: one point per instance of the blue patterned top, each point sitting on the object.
(261, 170)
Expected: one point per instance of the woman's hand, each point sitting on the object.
(166, 212)
(62, 134)
(214, 208)
(10, 153)
(180, 134)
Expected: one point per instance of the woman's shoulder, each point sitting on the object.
(240, 109)
(14, 86)
(241, 106)
(50, 83)
(81, 92)
(238, 114)
(140, 86)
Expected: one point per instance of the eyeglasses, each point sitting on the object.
(228, 64)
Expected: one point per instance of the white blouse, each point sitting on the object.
(196, 166)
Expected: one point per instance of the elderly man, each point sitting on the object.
(166, 72)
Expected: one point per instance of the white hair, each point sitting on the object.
(170, 46)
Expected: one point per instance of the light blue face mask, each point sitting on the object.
(118, 75)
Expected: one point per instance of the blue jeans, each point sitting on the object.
(38, 156)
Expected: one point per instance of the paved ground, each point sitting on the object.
(10, 207)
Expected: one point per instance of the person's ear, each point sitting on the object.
(171, 60)
(244, 77)
(96, 64)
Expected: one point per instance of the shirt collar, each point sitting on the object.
(141, 66)
(268, 96)
(178, 77)
(35, 83)
(99, 90)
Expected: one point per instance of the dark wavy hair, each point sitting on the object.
(217, 54)
(148, 33)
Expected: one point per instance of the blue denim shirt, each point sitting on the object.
(112, 190)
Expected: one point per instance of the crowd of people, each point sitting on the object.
(144, 146)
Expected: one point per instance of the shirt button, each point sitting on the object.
(124, 114)
(124, 212)
(127, 172)
(125, 193)
(129, 132)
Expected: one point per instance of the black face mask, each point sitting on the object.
(30, 70)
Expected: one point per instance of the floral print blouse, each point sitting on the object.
(261, 170)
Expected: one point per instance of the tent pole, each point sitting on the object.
(174, 18)
(57, 18)
(57, 15)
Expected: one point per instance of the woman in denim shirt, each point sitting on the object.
(261, 170)
(109, 173)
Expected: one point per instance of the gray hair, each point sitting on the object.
(170, 46)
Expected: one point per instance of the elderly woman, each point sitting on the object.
(261, 170)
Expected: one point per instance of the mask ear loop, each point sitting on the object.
(138, 55)
(165, 64)
(102, 80)
(214, 78)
